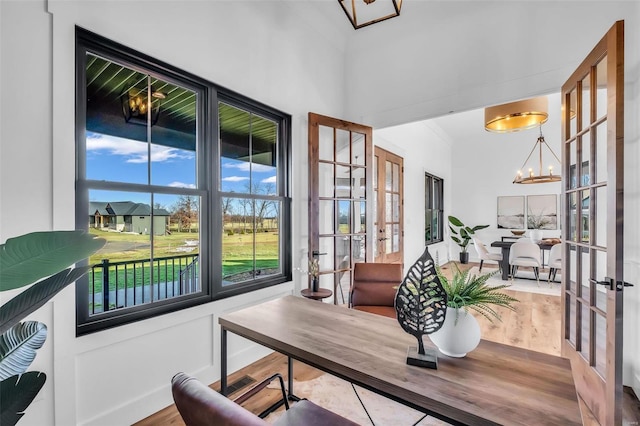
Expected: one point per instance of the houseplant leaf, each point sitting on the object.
(30, 257)
(455, 221)
(18, 347)
(35, 296)
(16, 393)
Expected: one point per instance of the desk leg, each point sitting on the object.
(223, 362)
(505, 263)
(291, 396)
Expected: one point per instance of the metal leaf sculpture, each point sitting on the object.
(421, 301)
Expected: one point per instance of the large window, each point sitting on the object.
(185, 180)
(433, 217)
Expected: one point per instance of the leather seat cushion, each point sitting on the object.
(387, 311)
(309, 414)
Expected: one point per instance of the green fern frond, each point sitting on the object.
(467, 291)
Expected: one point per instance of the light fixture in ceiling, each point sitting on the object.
(135, 106)
(530, 176)
(366, 12)
(515, 116)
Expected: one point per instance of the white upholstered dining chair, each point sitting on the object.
(525, 254)
(555, 262)
(485, 254)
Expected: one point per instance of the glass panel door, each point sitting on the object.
(340, 171)
(592, 126)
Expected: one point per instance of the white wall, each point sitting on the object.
(442, 57)
(484, 165)
(631, 318)
(281, 54)
(270, 51)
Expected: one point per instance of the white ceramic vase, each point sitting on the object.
(457, 338)
(535, 235)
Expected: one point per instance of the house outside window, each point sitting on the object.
(434, 210)
(185, 180)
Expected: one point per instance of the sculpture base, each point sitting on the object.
(428, 360)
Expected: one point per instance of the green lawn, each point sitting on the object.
(237, 257)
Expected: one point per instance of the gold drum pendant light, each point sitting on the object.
(516, 116)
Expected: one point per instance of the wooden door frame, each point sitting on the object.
(380, 208)
(314, 121)
(610, 389)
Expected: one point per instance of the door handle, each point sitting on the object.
(609, 282)
(382, 239)
(316, 253)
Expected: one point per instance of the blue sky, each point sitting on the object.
(123, 160)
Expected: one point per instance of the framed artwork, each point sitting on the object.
(511, 212)
(542, 211)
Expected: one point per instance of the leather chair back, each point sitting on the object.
(373, 283)
(199, 405)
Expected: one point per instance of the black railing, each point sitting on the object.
(115, 285)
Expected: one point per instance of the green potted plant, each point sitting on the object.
(462, 234)
(42, 258)
(460, 332)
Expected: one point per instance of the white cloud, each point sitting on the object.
(133, 151)
(234, 178)
(182, 185)
(246, 166)
(271, 179)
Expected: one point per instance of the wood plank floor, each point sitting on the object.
(534, 325)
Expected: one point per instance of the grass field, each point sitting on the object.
(237, 249)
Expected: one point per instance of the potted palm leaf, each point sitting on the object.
(467, 292)
(42, 261)
(462, 234)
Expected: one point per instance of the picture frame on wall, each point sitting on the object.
(542, 211)
(511, 212)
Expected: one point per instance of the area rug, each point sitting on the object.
(338, 396)
(524, 281)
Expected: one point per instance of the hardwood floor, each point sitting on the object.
(534, 325)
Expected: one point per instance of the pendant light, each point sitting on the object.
(516, 116)
(530, 176)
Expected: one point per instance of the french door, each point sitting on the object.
(340, 188)
(388, 171)
(592, 197)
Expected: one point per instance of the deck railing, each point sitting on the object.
(114, 285)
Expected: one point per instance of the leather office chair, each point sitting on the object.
(485, 254)
(374, 287)
(525, 254)
(199, 405)
(555, 261)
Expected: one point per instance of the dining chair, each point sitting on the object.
(485, 254)
(525, 254)
(555, 262)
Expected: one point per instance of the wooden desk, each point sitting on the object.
(506, 247)
(494, 384)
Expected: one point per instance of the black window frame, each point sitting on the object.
(208, 162)
(433, 204)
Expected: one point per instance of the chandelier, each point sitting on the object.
(516, 116)
(366, 12)
(135, 106)
(530, 176)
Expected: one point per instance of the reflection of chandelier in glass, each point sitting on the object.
(539, 178)
(367, 12)
(135, 106)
